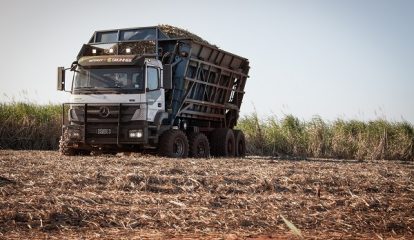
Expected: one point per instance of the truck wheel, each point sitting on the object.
(199, 145)
(173, 143)
(222, 142)
(64, 149)
(240, 143)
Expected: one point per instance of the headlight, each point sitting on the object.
(75, 134)
(136, 133)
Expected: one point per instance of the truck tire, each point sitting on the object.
(240, 141)
(64, 149)
(173, 143)
(222, 142)
(199, 145)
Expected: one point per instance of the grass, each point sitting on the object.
(31, 126)
(342, 139)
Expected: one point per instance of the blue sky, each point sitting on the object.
(349, 59)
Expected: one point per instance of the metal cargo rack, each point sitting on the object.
(208, 83)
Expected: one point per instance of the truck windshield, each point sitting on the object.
(122, 79)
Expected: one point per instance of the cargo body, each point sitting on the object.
(141, 88)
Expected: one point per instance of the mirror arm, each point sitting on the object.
(73, 66)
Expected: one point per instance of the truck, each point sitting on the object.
(158, 88)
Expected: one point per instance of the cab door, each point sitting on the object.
(154, 92)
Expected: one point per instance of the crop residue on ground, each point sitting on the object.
(45, 194)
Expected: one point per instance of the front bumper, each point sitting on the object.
(86, 124)
(107, 134)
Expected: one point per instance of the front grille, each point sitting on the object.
(104, 113)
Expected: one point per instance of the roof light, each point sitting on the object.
(128, 50)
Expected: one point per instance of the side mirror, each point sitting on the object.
(167, 76)
(61, 79)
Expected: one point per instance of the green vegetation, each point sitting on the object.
(342, 139)
(31, 126)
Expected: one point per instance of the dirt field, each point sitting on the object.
(44, 195)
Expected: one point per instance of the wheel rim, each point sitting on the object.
(230, 147)
(178, 147)
(201, 149)
(240, 148)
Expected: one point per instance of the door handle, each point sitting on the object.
(159, 105)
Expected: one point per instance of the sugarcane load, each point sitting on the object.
(161, 88)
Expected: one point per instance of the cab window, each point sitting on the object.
(152, 78)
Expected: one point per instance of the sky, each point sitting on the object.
(337, 59)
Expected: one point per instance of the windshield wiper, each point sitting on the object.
(96, 90)
(87, 89)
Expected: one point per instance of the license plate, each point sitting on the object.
(104, 131)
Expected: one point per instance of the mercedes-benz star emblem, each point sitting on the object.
(104, 112)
